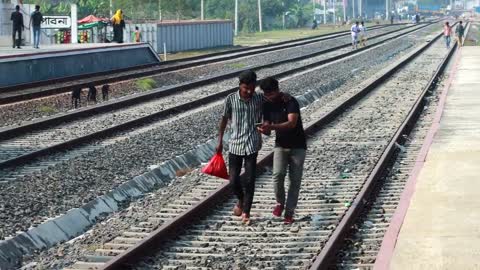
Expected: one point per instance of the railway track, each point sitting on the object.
(349, 149)
(37, 141)
(45, 88)
(363, 242)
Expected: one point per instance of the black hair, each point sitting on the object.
(136, 27)
(37, 7)
(17, 7)
(356, 22)
(362, 22)
(269, 84)
(460, 22)
(247, 77)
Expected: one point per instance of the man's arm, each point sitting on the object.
(290, 124)
(227, 112)
(221, 132)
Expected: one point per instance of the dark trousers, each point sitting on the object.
(17, 42)
(243, 187)
(76, 102)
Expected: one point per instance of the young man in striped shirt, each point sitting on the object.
(244, 110)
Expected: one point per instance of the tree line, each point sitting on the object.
(298, 13)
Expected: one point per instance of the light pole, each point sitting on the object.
(324, 11)
(260, 14)
(345, 11)
(236, 17)
(201, 12)
(386, 10)
(353, 9)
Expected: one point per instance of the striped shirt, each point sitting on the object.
(245, 139)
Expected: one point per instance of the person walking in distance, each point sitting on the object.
(105, 90)
(459, 31)
(76, 93)
(243, 109)
(18, 26)
(290, 146)
(447, 31)
(363, 34)
(35, 22)
(354, 31)
(92, 94)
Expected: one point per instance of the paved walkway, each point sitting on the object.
(441, 229)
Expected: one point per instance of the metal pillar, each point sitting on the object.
(324, 11)
(201, 12)
(260, 15)
(236, 17)
(74, 23)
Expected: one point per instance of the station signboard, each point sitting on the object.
(56, 22)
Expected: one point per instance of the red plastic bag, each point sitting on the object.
(216, 167)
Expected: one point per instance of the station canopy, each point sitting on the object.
(91, 21)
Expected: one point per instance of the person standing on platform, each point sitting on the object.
(354, 31)
(92, 94)
(391, 18)
(35, 22)
(118, 26)
(363, 34)
(105, 90)
(137, 35)
(290, 146)
(459, 31)
(76, 93)
(447, 32)
(243, 109)
(18, 26)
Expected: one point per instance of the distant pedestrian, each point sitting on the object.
(18, 27)
(290, 146)
(447, 31)
(92, 94)
(355, 30)
(417, 18)
(459, 31)
(105, 90)
(243, 109)
(391, 18)
(363, 34)
(118, 26)
(35, 22)
(76, 94)
(314, 25)
(137, 35)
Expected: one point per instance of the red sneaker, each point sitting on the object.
(288, 220)
(277, 211)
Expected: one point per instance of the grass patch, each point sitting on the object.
(47, 109)
(146, 84)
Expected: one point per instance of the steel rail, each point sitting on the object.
(168, 230)
(162, 67)
(43, 124)
(327, 254)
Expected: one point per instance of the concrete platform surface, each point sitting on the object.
(8, 51)
(441, 229)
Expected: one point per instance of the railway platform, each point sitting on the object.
(437, 223)
(26, 66)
